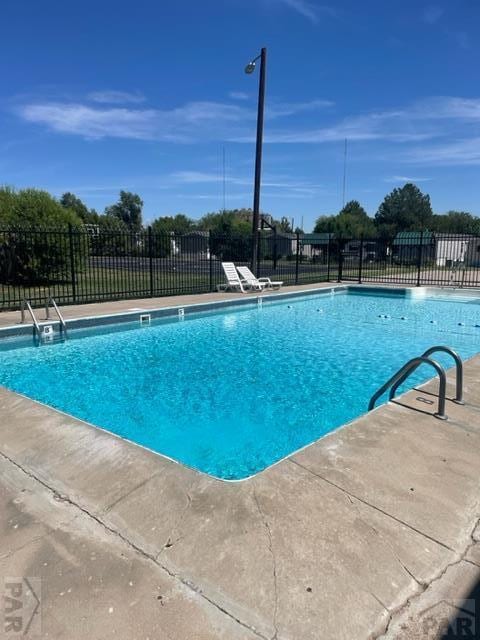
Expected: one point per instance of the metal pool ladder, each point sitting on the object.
(63, 326)
(412, 365)
(26, 306)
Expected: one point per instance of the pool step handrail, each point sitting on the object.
(51, 303)
(459, 372)
(404, 372)
(26, 306)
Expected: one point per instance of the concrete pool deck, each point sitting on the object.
(361, 535)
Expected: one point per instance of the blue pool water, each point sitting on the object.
(232, 392)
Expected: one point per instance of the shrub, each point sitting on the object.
(34, 245)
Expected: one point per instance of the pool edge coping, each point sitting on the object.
(121, 317)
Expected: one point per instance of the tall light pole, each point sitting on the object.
(250, 68)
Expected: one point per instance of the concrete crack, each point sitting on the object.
(147, 556)
(460, 557)
(170, 543)
(389, 544)
(129, 493)
(398, 611)
(375, 597)
(274, 564)
(373, 506)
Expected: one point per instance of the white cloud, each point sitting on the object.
(281, 109)
(451, 121)
(238, 95)
(447, 108)
(458, 152)
(273, 182)
(426, 119)
(309, 10)
(432, 14)
(90, 122)
(406, 179)
(200, 177)
(116, 97)
(188, 123)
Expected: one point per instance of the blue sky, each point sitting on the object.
(144, 96)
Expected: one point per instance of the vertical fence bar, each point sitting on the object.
(297, 257)
(72, 263)
(360, 261)
(210, 261)
(275, 249)
(328, 257)
(420, 256)
(340, 260)
(150, 259)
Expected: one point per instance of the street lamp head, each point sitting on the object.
(250, 68)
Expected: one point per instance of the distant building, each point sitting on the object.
(371, 250)
(408, 246)
(452, 249)
(444, 249)
(194, 244)
(315, 245)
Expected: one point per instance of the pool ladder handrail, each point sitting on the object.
(25, 305)
(404, 372)
(458, 373)
(51, 302)
(412, 365)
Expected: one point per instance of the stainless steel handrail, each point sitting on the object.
(52, 302)
(26, 305)
(407, 370)
(459, 371)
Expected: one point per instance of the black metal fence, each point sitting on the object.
(78, 265)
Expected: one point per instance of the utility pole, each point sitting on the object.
(258, 151)
(224, 190)
(344, 173)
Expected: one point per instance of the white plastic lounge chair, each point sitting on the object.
(233, 279)
(248, 276)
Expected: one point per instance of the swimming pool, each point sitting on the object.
(230, 392)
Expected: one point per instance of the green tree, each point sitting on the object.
(112, 237)
(33, 208)
(284, 225)
(179, 223)
(404, 209)
(231, 233)
(456, 222)
(70, 201)
(128, 209)
(39, 257)
(231, 221)
(351, 222)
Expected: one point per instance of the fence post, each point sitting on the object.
(361, 261)
(420, 256)
(260, 252)
(275, 249)
(328, 258)
(340, 260)
(150, 258)
(72, 262)
(210, 261)
(297, 257)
